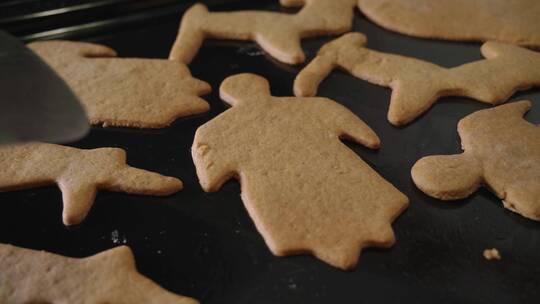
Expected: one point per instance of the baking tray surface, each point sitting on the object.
(206, 246)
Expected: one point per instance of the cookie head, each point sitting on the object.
(235, 89)
(447, 177)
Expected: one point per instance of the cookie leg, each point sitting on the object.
(410, 99)
(282, 44)
(308, 80)
(191, 36)
(448, 177)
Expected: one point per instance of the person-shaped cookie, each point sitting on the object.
(79, 174)
(501, 151)
(279, 34)
(305, 190)
(416, 85)
(125, 92)
(30, 276)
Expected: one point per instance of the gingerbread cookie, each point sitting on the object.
(416, 85)
(30, 276)
(126, 92)
(279, 34)
(305, 190)
(514, 21)
(78, 173)
(501, 151)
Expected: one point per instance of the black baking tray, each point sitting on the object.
(206, 246)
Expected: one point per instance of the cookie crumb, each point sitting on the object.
(492, 254)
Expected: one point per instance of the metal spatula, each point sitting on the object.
(35, 103)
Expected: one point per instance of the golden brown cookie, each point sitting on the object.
(126, 92)
(279, 34)
(416, 85)
(30, 276)
(305, 190)
(501, 151)
(78, 173)
(492, 254)
(511, 21)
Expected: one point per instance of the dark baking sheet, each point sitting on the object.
(205, 245)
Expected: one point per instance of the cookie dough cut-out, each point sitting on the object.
(125, 92)
(416, 85)
(305, 190)
(514, 21)
(501, 151)
(279, 34)
(30, 276)
(78, 173)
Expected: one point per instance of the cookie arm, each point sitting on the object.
(308, 80)
(348, 125)
(292, 3)
(91, 50)
(131, 285)
(353, 128)
(448, 177)
(137, 181)
(50, 50)
(212, 170)
(514, 109)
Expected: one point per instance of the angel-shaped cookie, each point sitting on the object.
(305, 190)
(78, 173)
(30, 276)
(501, 151)
(416, 85)
(126, 92)
(279, 34)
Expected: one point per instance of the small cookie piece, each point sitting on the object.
(30, 276)
(514, 21)
(78, 173)
(125, 92)
(416, 85)
(492, 254)
(305, 190)
(279, 34)
(501, 151)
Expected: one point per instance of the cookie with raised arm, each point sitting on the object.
(125, 92)
(416, 85)
(305, 190)
(513, 21)
(79, 174)
(279, 34)
(29, 276)
(501, 150)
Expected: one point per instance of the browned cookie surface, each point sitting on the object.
(512, 21)
(501, 151)
(29, 276)
(127, 92)
(305, 190)
(279, 34)
(416, 84)
(78, 173)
